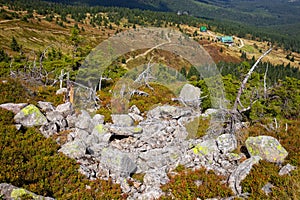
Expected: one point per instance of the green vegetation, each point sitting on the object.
(286, 186)
(32, 162)
(188, 184)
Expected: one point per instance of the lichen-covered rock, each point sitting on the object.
(10, 192)
(74, 149)
(122, 120)
(30, 116)
(266, 147)
(226, 143)
(240, 173)
(206, 148)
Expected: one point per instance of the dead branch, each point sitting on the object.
(243, 85)
(265, 82)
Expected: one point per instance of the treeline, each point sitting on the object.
(148, 18)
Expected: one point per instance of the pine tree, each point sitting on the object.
(14, 45)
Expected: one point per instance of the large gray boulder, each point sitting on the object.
(267, 147)
(240, 173)
(122, 120)
(190, 95)
(74, 149)
(30, 116)
(10, 192)
(13, 107)
(117, 162)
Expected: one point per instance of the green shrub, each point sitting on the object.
(30, 161)
(184, 185)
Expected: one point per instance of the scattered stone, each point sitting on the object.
(206, 148)
(10, 192)
(74, 149)
(226, 143)
(126, 131)
(122, 120)
(209, 112)
(190, 95)
(83, 121)
(61, 91)
(240, 173)
(13, 107)
(49, 129)
(267, 147)
(97, 119)
(46, 106)
(30, 116)
(117, 162)
(65, 109)
(54, 116)
(287, 169)
(267, 188)
(135, 110)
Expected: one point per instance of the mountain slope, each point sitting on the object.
(254, 12)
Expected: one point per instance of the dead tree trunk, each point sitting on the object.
(243, 85)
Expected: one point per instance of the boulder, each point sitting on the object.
(65, 109)
(165, 111)
(53, 116)
(10, 192)
(122, 120)
(49, 129)
(267, 147)
(117, 162)
(74, 149)
(13, 107)
(206, 147)
(45, 106)
(190, 95)
(97, 119)
(226, 143)
(83, 121)
(126, 131)
(240, 173)
(30, 116)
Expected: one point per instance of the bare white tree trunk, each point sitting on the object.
(265, 82)
(243, 85)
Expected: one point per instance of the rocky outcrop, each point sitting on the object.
(266, 147)
(10, 192)
(154, 147)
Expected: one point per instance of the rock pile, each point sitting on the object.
(154, 147)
